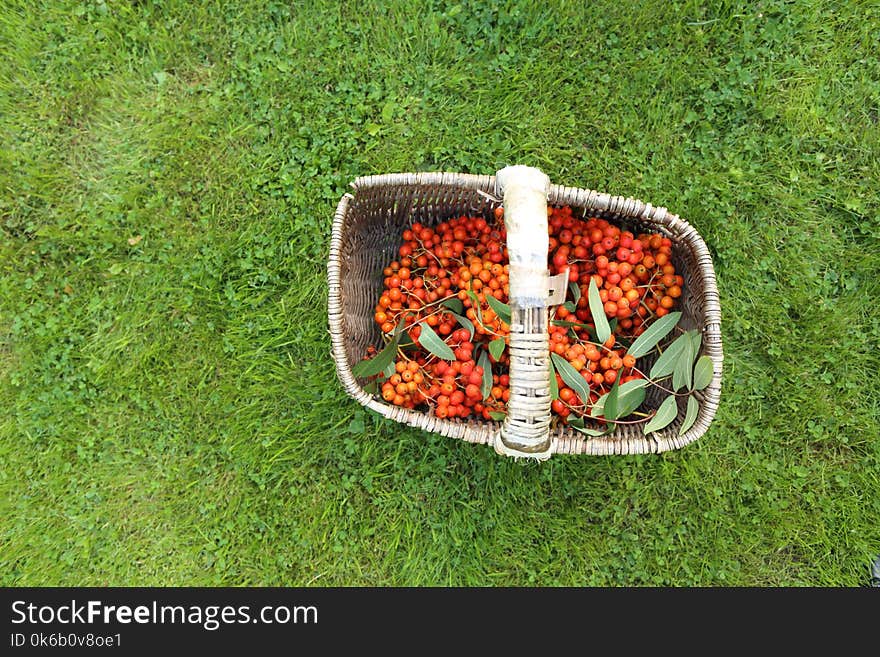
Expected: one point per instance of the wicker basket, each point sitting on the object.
(366, 233)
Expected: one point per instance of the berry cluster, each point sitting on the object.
(444, 310)
(456, 265)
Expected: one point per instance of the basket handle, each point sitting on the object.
(526, 428)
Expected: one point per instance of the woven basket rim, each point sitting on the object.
(486, 432)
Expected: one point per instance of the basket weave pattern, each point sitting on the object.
(365, 237)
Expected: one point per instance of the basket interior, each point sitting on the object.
(378, 214)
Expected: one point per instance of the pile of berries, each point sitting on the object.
(453, 279)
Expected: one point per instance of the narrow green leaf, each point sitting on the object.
(569, 306)
(630, 396)
(483, 361)
(697, 339)
(571, 377)
(498, 416)
(381, 361)
(568, 324)
(465, 323)
(577, 424)
(690, 416)
(455, 305)
(703, 372)
(665, 365)
(554, 384)
(664, 416)
(653, 334)
(433, 343)
(501, 309)
(475, 303)
(683, 374)
(389, 370)
(575, 290)
(599, 407)
(603, 330)
(611, 401)
(378, 362)
(496, 348)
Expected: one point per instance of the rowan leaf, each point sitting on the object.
(501, 309)
(483, 361)
(683, 374)
(496, 348)
(433, 343)
(465, 322)
(653, 334)
(690, 415)
(380, 361)
(603, 329)
(454, 304)
(665, 364)
(571, 377)
(703, 372)
(664, 416)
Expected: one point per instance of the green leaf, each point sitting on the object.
(483, 361)
(554, 384)
(572, 377)
(653, 334)
(432, 342)
(569, 306)
(566, 323)
(498, 416)
(703, 372)
(381, 360)
(501, 309)
(454, 304)
(630, 396)
(697, 339)
(690, 416)
(465, 322)
(475, 303)
(603, 330)
(665, 365)
(683, 374)
(664, 415)
(575, 292)
(611, 401)
(577, 424)
(496, 348)
(389, 370)
(598, 408)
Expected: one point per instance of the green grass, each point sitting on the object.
(171, 415)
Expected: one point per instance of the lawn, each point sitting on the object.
(168, 176)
